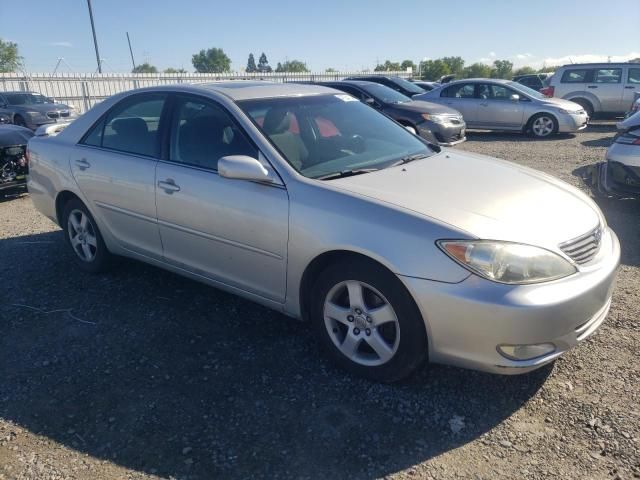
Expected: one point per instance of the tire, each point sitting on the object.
(18, 120)
(542, 125)
(84, 239)
(586, 104)
(363, 325)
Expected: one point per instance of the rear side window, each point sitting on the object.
(202, 132)
(131, 126)
(607, 75)
(465, 90)
(634, 75)
(575, 76)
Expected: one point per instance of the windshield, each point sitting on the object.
(385, 94)
(26, 99)
(524, 89)
(407, 85)
(325, 134)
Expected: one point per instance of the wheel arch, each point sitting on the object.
(586, 96)
(61, 200)
(527, 125)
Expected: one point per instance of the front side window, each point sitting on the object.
(575, 76)
(607, 75)
(131, 126)
(407, 86)
(634, 75)
(490, 91)
(202, 132)
(26, 99)
(464, 90)
(335, 133)
(386, 94)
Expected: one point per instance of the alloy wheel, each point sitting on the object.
(82, 235)
(542, 126)
(361, 323)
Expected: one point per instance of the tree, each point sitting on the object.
(251, 64)
(455, 64)
(213, 60)
(10, 60)
(547, 69)
(502, 69)
(477, 70)
(387, 66)
(330, 70)
(263, 64)
(524, 71)
(174, 70)
(434, 69)
(406, 64)
(144, 68)
(292, 66)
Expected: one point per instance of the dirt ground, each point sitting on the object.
(142, 374)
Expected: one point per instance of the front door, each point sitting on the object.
(114, 166)
(231, 231)
(461, 97)
(497, 109)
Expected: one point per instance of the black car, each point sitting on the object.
(396, 83)
(13, 160)
(437, 124)
(535, 80)
(426, 86)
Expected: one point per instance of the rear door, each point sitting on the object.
(114, 167)
(462, 97)
(631, 86)
(496, 109)
(607, 86)
(231, 231)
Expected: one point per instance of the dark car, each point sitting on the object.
(426, 86)
(435, 123)
(13, 160)
(31, 109)
(534, 80)
(398, 84)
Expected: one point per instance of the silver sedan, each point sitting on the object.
(305, 200)
(493, 104)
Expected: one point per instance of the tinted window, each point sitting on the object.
(607, 75)
(489, 91)
(407, 86)
(350, 90)
(26, 99)
(337, 133)
(463, 90)
(634, 75)
(131, 126)
(385, 94)
(575, 76)
(203, 132)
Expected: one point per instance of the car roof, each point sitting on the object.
(20, 92)
(601, 64)
(357, 83)
(483, 80)
(249, 89)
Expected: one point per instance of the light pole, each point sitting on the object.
(95, 40)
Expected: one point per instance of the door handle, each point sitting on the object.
(168, 185)
(631, 87)
(83, 164)
(592, 86)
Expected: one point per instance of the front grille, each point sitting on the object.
(53, 114)
(583, 248)
(64, 113)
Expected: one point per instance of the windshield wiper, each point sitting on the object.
(346, 173)
(409, 158)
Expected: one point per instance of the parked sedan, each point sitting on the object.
(435, 123)
(398, 84)
(492, 104)
(31, 110)
(310, 202)
(426, 86)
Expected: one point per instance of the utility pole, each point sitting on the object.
(95, 40)
(131, 51)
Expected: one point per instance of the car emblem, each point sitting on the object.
(598, 235)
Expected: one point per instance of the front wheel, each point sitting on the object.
(367, 321)
(543, 125)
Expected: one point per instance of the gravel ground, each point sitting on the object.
(142, 374)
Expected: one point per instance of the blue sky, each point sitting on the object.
(341, 34)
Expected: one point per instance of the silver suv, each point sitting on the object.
(599, 87)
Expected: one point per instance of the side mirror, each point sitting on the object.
(242, 167)
(370, 101)
(514, 97)
(51, 100)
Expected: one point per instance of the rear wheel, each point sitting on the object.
(543, 125)
(84, 238)
(367, 322)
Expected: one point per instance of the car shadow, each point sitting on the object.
(599, 142)
(167, 376)
(491, 136)
(12, 194)
(622, 215)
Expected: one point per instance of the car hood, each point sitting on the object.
(561, 103)
(485, 197)
(42, 107)
(420, 106)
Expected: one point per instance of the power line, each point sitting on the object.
(95, 40)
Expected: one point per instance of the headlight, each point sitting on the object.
(435, 118)
(507, 262)
(34, 114)
(571, 112)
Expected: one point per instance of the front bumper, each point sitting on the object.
(467, 321)
(568, 123)
(447, 135)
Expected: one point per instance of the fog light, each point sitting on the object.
(526, 352)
